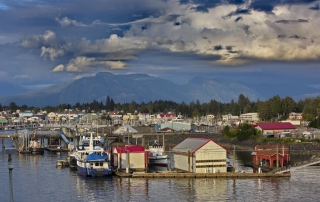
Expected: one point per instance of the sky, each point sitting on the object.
(46, 42)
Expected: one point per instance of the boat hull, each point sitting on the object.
(93, 172)
(159, 161)
(37, 150)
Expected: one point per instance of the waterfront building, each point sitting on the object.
(129, 156)
(267, 155)
(274, 127)
(200, 155)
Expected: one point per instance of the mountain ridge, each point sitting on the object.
(134, 87)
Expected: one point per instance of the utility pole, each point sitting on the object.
(10, 151)
(277, 158)
(234, 159)
(188, 161)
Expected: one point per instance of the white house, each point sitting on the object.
(200, 155)
(249, 117)
(26, 114)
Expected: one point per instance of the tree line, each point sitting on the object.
(272, 109)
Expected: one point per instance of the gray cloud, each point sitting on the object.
(238, 11)
(315, 7)
(118, 35)
(238, 19)
(292, 21)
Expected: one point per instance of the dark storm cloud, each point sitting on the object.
(238, 19)
(204, 5)
(246, 29)
(239, 11)
(315, 7)
(229, 48)
(263, 5)
(292, 21)
(258, 5)
(201, 8)
(218, 47)
(282, 36)
(296, 37)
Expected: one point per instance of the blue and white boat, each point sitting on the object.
(92, 161)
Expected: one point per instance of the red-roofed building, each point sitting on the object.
(275, 127)
(135, 154)
(267, 155)
(167, 116)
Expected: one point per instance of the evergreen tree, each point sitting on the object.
(108, 103)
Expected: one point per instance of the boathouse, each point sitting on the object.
(129, 156)
(267, 155)
(200, 155)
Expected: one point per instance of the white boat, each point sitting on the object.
(156, 157)
(92, 160)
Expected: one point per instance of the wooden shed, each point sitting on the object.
(129, 156)
(200, 155)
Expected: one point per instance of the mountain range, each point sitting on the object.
(143, 88)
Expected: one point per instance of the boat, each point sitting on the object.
(92, 161)
(35, 147)
(157, 158)
(229, 165)
(72, 161)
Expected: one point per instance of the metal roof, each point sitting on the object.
(190, 144)
(276, 126)
(130, 148)
(125, 129)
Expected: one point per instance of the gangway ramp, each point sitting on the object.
(64, 138)
(298, 167)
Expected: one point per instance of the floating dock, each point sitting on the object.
(62, 163)
(199, 175)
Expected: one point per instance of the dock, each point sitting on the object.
(199, 175)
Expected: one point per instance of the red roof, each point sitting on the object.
(169, 115)
(276, 126)
(130, 148)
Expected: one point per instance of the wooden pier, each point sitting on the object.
(199, 175)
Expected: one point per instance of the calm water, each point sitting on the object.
(35, 178)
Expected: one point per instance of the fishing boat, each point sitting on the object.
(157, 158)
(92, 161)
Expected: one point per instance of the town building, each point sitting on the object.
(177, 126)
(295, 116)
(26, 114)
(249, 117)
(200, 155)
(274, 127)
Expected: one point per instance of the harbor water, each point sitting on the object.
(36, 178)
